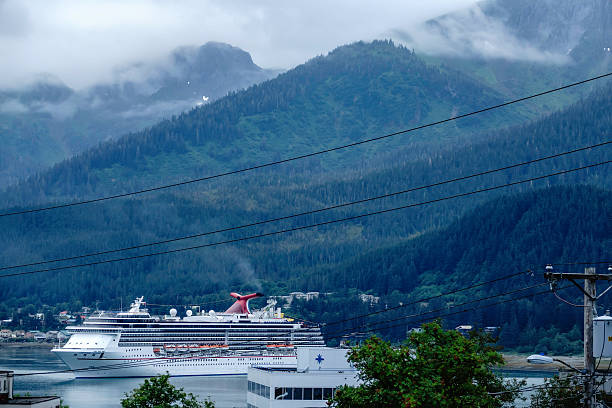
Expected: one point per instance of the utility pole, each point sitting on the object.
(590, 289)
(590, 297)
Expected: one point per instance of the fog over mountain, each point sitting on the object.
(47, 121)
(545, 31)
(82, 73)
(83, 43)
(187, 77)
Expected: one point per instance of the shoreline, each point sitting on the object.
(513, 362)
(20, 344)
(519, 362)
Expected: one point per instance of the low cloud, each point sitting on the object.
(62, 111)
(13, 106)
(83, 42)
(470, 32)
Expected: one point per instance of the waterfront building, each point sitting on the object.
(319, 372)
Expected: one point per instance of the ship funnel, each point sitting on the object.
(241, 305)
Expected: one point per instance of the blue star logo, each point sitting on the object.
(319, 359)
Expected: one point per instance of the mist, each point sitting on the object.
(470, 32)
(83, 43)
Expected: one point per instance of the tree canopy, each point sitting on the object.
(434, 368)
(157, 392)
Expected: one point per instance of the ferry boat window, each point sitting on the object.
(307, 393)
(317, 394)
(297, 393)
(327, 393)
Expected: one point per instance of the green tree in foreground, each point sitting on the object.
(157, 392)
(435, 368)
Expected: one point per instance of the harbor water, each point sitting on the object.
(225, 391)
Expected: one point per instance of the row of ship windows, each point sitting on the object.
(196, 330)
(212, 333)
(199, 329)
(233, 344)
(271, 336)
(206, 332)
(283, 338)
(207, 326)
(240, 360)
(178, 363)
(292, 393)
(195, 339)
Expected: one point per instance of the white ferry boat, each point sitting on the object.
(136, 344)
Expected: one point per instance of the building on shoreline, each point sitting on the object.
(320, 371)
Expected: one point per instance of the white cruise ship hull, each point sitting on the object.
(112, 364)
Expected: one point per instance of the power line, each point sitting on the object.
(425, 299)
(452, 292)
(581, 263)
(453, 313)
(158, 360)
(161, 360)
(404, 317)
(305, 226)
(412, 189)
(273, 163)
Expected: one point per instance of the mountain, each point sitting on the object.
(46, 121)
(519, 47)
(514, 233)
(357, 91)
(305, 260)
(579, 30)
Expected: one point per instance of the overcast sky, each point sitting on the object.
(81, 42)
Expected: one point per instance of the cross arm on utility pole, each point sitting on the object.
(553, 277)
(595, 276)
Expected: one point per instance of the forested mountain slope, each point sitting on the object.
(514, 233)
(304, 260)
(357, 91)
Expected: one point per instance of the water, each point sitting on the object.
(226, 392)
(534, 378)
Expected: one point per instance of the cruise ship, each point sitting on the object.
(136, 344)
